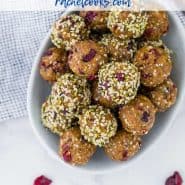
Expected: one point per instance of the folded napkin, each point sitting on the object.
(20, 37)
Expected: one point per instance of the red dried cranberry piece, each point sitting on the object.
(91, 77)
(125, 155)
(67, 156)
(145, 56)
(148, 32)
(175, 179)
(42, 180)
(90, 16)
(120, 77)
(145, 116)
(89, 56)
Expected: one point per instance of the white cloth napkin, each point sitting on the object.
(20, 37)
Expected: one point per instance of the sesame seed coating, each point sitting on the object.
(74, 149)
(122, 146)
(164, 95)
(154, 63)
(86, 58)
(97, 125)
(138, 116)
(118, 82)
(118, 49)
(127, 25)
(158, 25)
(68, 30)
(54, 118)
(53, 64)
(71, 93)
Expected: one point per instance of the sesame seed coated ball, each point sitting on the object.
(119, 49)
(127, 25)
(158, 25)
(118, 82)
(122, 146)
(53, 64)
(71, 93)
(68, 30)
(86, 58)
(164, 95)
(154, 63)
(97, 125)
(138, 116)
(97, 20)
(74, 149)
(54, 118)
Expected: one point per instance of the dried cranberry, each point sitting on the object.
(175, 179)
(148, 32)
(65, 147)
(48, 53)
(145, 56)
(125, 155)
(120, 77)
(89, 56)
(42, 180)
(90, 16)
(145, 116)
(80, 71)
(67, 156)
(91, 77)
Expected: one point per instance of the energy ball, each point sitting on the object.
(74, 149)
(154, 63)
(86, 58)
(122, 146)
(68, 30)
(164, 95)
(97, 125)
(127, 25)
(138, 116)
(71, 93)
(54, 118)
(97, 20)
(53, 64)
(119, 49)
(118, 82)
(158, 25)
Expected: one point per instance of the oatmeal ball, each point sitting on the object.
(118, 49)
(97, 125)
(164, 95)
(86, 58)
(97, 20)
(53, 64)
(154, 63)
(127, 25)
(68, 30)
(138, 116)
(71, 93)
(74, 149)
(158, 25)
(118, 82)
(122, 146)
(55, 118)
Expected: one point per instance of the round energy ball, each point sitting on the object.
(74, 149)
(71, 93)
(127, 25)
(138, 116)
(118, 49)
(122, 146)
(158, 25)
(53, 64)
(86, 58)
(164, 95)
(68, 30)
(97, 125)
(55, 118)
(97, 20)
(154, 63)
(118, 82)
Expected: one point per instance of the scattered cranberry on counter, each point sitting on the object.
(42, 180)
(175, 179)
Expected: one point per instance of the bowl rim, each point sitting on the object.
(53, 154)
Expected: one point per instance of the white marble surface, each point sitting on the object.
(22, 158)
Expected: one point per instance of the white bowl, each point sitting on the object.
(38, 90)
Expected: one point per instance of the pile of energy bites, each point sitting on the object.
(110, 75)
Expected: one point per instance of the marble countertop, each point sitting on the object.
(22, 158)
